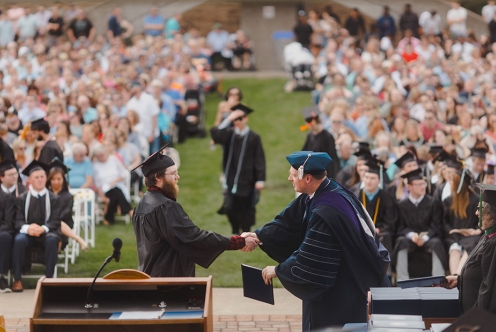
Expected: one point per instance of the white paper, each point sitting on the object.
(141, 315)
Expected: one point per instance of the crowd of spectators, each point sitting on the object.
(413, 87)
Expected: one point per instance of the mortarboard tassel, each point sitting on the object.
(381, 177)
(461, 182)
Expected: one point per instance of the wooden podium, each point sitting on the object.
(183, 304)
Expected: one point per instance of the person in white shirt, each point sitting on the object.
(430, 22)
(31, 111)
(488, 11)
(147, 108)
(457, 20)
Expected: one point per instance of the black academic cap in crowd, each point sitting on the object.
(363, 154)
(374, 165)
(475, 319)
(243, 108)
(478, 153)
(488, 193)
(490, 169)
(363, 145)
(435, 149)
(312, 162)
(155, 162)
(406, 158)
(35, 165)
(58, 164)
(454, 162)
(413, 175)
(40, 124)
(7, 164)
(310, 113)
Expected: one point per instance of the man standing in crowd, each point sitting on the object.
(457, 20)
(419, 227)
(324, 244)
(169, 243)
(409, 21)
(243, 163)
(7, 233)
(154, 23)
(37, 223)
(50, 148)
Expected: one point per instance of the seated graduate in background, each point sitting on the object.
(37, 223)
(461, 230)
(478, 157)
(354, 183)
(50, 148)
(380, 205)
(324, 242)
(9, 178)
(419, 227)
(398, 187)
(169, 243)
(7, 233)
(57, 183)
(477, 280)
(489, 178)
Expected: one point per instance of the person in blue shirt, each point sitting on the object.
(172, 26)
(80, 167)
(386, 24)
(114, 25)
(154, 23)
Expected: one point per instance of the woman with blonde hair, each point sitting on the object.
(413, 135)
(461, 230)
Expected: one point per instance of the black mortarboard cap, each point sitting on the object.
(363, 153)
(374, 166)
(453, 162)
(363, 145)
(39, 124)
(35, 165)
(490, 169)
(442, 156)
(406, 158)
(488, 193)
(435, 149)
(413, 175)
(7, 164)
(478, 153)
(58, 164)
(476, 319)
(310, 113)
(243, 108)
(155, 162)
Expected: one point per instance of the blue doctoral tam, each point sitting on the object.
(314, 162)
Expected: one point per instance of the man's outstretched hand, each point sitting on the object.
(251, 241)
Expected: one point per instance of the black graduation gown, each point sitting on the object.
(479, 179)
(169, 243)
(66, 201)
(7, 213)
(253, 166)
(426, 217)
(324, 257)
(37, 212)
(324, 142)
(50, 151)
(451, 221)
(477, 281)
(6, 152)
(387, 215)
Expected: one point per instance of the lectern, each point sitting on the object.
(155, 304)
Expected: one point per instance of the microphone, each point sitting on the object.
(117, 244)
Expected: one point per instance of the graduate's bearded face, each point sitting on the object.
(170, 180)
(38, 180)
(487, 221)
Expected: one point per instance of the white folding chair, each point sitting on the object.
(85, 213)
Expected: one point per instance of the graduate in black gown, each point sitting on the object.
(478, 156)
(6, 151)
(398, 187)
(354, 183)
(57, 183)
(380, 205)
(461, 230)
(419, 227)
(50, 149)
(9, 178)
(243, 164)
(319, 139)
(489, 178)
(324, 242)
(7, 233)
(37, 223)
(169, 243)
(477, 280)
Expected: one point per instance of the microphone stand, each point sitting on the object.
(89, 295)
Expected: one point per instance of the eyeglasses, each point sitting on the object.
(176, 173)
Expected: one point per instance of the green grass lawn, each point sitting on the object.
(276, 119)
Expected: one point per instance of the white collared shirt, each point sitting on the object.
(37, 194)
(8, 190)
(415, 202)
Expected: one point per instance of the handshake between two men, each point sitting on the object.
(252, 242)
